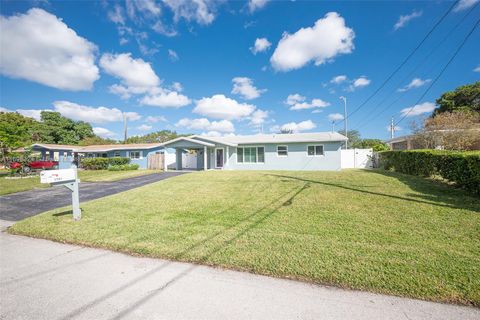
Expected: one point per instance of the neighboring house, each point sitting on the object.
(65, 154)
(297, 151)
(411, 142)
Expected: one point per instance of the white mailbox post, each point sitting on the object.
(68, 179)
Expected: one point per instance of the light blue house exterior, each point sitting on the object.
(300, 151)
(67, 154)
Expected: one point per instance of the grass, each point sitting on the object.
(8, 186)
(383, 232)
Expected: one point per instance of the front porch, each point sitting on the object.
(194, 154)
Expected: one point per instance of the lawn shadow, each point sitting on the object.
(63, 213)
(430, 193)
(183, 253)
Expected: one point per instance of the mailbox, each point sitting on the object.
(57, 176)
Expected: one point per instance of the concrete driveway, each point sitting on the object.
(41, 279)
(21, 205)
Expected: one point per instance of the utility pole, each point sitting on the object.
(345, 119)
(125, 127)
(392, 129)
(333, 126)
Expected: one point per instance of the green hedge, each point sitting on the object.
(103, 163)
(462, 168)
(124, 167)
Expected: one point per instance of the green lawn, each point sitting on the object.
(16, 185)
(376, 231)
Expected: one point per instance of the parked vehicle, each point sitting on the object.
(34, 165)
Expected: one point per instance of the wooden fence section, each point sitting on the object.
(155, 161)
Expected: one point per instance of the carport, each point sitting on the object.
(203, 148)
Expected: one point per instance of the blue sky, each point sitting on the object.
(221, 68)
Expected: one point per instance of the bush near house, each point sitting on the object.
(103, 163)
(460, 167)
(124, 167)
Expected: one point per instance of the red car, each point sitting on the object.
(34, 165)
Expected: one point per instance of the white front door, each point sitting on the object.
(189, 160)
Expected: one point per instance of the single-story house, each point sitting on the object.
(296, 151)
(66, 154)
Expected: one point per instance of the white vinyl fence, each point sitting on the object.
(357, 158)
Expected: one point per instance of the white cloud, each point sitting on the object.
(415, 83)
(403, 20)
(172, 55)
(258, 117)
(161, 28)
(205, 124)
(317, 111)
(145, 7)
(116, 15)
(177, 86)
(321, 43)
(201, 11)
(335, 117)
(91, 114)
(155, 119)
(254, 5)
(166, 99)
(298, 102)
(244, 87)
(103, 132)
(39, 47)
(297, 127)
(464, 4)
(220, 107)
(418, 109)
(338, 79)
(261, 45)
(132, 72)
(396, 128)
(360, 82)
(477, 69)
(144, 127)
(31, 113)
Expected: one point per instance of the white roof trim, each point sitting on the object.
(189, 139)
(231, 144)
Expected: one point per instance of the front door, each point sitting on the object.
(219, 158)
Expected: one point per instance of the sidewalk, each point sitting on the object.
(41, 279)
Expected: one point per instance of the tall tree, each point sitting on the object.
(56, 128)
(16, 131)
(159, 136)
(464, 98)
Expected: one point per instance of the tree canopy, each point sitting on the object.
(55, 128)
(463, 98)
(159, 136)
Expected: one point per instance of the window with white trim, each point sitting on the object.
(282, 151)
(250, 155)
(315, 150)
(135, 154)
(116, 154)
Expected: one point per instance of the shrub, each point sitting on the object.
(462, 168)
(118, 161)
(124, 167)
(95, 163)
(103, 163)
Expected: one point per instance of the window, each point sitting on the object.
(134, 154)
(251, 155)
(315, 150)
(282, 151)
(104, 155)
(116, 154)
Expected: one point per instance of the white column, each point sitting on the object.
(178, 158)
(228, 156)
(205, 162)
(165, 153)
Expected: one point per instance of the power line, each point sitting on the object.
(442, 71)
(405, 60)
(376, 115)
